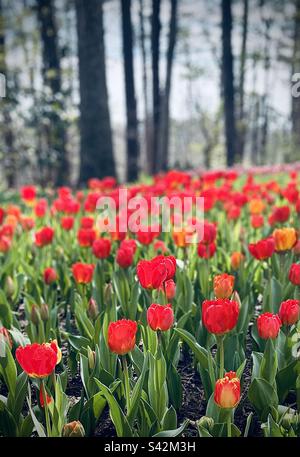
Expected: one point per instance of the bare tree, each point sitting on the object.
(55, 129)
(96, 150)
(163, 143)
(228, 82)
(131, 110)
(155, 38)
(241, 101)
(10, 164)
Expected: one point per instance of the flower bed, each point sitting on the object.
(131, 321)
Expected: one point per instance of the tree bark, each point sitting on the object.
(96, 149)
(147, 120)
(52, 79)
(155, 35)
(10, 159)
(163, 143)
(242, 127)
(132, 141)
(228, 83)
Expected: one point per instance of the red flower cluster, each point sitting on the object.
(153, 273)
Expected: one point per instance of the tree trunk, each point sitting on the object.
(96, 150)
(147, 120)
(131, 111)
(228, 82)
(242, 126)
(155, 34)
(296, 69)
(10, 165)
(52, 80)
(163, 143)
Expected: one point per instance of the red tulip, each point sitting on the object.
(28, 193)
(44, 236)
(294, 274)
(121, 336)
(37, 360)
(101, 248)
(160, 317)
(151, 274)
(125, 257)
(223, 285)
(206, 251)
(83, 272)
(50, 275)
(49, 398)
(209, 233)
(289, 312)
(220, 316)
(67, 222)
(228, 391)
(268, 325)
(86, 237)
(5, 244)
(41, 207)
(257, 221)
(169, 288)
(130, 243)
(86, 222)
(263, 249)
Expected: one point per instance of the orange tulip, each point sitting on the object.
(285, 239)
(223, 285)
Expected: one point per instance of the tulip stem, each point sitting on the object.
(229, 425)
(221, 355)
(48, 428)
(126, 382)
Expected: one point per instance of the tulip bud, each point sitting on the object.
(35, 315)
(108, 291)
(206, 422)
(93, 309)
(9, 286)
(170, 289)
(73, 429)
(91, 358)
(44, 312)
(236, 297)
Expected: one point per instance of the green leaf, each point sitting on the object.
(172, 433)
(137, 391)
(262, 396)
(120, 422)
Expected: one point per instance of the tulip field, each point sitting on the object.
(119, 332)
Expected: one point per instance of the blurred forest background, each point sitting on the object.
(126, 87)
